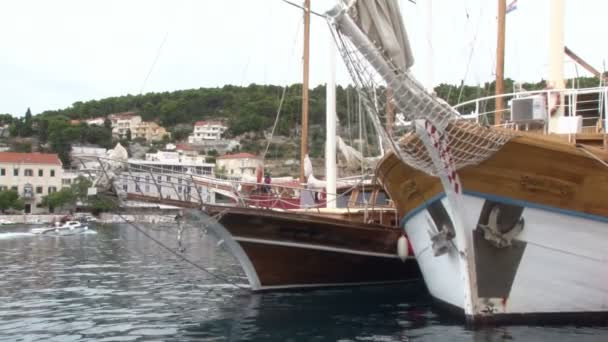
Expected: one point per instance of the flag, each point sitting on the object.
(512, 6)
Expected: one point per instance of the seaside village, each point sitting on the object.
(36, 175)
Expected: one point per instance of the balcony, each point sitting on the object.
(28, 192)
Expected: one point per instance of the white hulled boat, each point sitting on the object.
(66, 228)
(505, 225)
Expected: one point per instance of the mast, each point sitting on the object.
(500, 61)
(556, 61)
(304, 143)
(556, 45)
(330, 128)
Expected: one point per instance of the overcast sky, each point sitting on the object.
(54, 53)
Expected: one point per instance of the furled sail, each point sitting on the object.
(420, 128)
(381, 21)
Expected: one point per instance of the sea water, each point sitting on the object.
(116, 284)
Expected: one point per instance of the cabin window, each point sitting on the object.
(381, 198)
(342, 200)
(363, 197)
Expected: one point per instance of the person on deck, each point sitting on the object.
(267, 181)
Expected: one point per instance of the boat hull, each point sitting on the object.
(282, 250)
(543, 260)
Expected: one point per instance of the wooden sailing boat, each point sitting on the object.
(320, 247)
(506, 225)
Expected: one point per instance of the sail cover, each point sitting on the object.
(381, 21)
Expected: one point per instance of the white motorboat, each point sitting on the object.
(5, 222)
(67, 228)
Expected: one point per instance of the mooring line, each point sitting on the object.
(183, 258)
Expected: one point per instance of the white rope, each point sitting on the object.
(591, 154)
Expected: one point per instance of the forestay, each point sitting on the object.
(373, 42)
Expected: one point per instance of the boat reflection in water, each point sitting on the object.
(389, 311)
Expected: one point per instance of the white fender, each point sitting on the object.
(403, 249)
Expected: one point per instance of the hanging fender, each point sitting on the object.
(403, 248)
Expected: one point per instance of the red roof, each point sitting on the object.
(238, 156)
(29, 158)
(184, 147)
(203, 123)
(123, 115)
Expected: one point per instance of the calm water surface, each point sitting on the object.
(114, 284)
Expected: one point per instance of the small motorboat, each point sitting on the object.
(5, 222)
(67, 228)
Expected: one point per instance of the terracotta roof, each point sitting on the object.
(123, 115)
(203, 123)
(238, 156)
(29, 158)
(184, 147)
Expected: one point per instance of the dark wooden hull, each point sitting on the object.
(294, 250)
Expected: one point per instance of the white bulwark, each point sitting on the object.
(32, 175)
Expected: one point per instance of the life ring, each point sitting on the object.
(552, 102)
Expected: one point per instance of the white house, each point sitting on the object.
(32, 175)
(235, 166)
(123, 122)
(96, 121)
(207, 130)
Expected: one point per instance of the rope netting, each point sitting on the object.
(402, 110)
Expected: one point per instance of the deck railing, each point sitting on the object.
(589, 103)
(149, 183)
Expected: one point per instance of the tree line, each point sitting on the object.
(250, 108)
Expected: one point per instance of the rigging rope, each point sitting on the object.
(276, 120)
(591, 154)
(170, 250)
(158, 51)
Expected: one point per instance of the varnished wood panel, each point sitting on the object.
(543, 171)
(309, 229)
